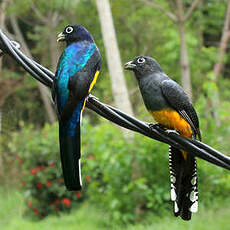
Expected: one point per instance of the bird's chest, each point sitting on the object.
(152, 95)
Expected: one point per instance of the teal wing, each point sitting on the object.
(75, 73)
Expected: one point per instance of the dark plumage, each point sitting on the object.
(77, 72)
(171, 108)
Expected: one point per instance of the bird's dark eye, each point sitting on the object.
(140, 60)
(69, 30)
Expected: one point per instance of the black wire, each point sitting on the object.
(42, 70)
(112, 117)
(35, 67)
(142, 127)
(11, 51)
(107, 113)
(171, 139)
(27, 61)
(194, 147)
(216, 153)
(198, 152)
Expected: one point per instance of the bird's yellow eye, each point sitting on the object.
(69, 30)
(140, 60)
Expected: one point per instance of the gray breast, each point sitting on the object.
(151, 92)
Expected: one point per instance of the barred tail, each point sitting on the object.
(183, 176)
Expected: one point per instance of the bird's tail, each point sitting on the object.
(70, 149)
(183, 178)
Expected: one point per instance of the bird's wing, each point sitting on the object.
(177, 99)
(80, 84)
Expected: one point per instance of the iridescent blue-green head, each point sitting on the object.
(74, 33)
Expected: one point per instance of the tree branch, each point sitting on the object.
(190, 10)
(218, 67)
(38, 13)
(156, 5)
(172, 5)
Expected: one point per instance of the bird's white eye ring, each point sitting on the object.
(69, 30)
(140, 60)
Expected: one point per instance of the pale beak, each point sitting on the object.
(129, 65)
(60, 37)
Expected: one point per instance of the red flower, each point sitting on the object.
(87, 179)
(51, 164)
(35, 170)
(78, 194)
(48, 183)
(91, 157)
(39, 185)
(35, 210)
(57, 201)
(29, 203)
(66, 202)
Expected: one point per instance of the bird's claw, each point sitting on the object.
(168, 131)
(159, 126)
(93, 97)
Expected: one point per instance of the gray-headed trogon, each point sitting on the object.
(171, 108)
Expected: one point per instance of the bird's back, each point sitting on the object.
(73, 59)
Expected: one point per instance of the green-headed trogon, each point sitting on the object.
(170, 107)
(76, 73)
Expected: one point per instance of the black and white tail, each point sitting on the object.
(183, 177)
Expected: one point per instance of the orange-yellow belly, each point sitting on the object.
(171, 119)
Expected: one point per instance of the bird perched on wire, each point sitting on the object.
(171, 108)
(76, 74)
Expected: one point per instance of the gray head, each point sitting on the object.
(142, 66)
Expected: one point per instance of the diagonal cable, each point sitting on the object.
(194, 147)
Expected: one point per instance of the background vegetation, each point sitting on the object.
(125, 182)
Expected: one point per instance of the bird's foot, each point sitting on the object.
(92, 96)
(168, 131)
(160, 127)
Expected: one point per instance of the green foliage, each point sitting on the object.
(126, 178)
(37, 153)
(120, 172)
(89, 217)
(129, 179)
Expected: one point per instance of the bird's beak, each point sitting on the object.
(129, 65)
(60, 37)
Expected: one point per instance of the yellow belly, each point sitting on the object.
(171, 119)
